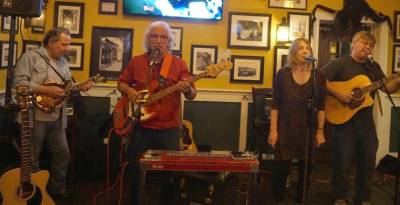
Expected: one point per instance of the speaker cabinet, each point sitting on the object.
(23, 8)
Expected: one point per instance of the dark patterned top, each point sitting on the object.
(293, 102)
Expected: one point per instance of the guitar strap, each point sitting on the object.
(48, 63)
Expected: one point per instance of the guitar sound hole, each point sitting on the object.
(25, 190)
(357, 93)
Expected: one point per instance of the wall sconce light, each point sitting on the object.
(282, 32)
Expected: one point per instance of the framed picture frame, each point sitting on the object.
(75, 56)
(396, 58)
(299, 25)
(69, 15)
(396, 36)
(4, 52)
(6, 24)
(201, 56)
(108, 7)
(111, 51)
(249, 30)
(38, 24)
(247, 69)
(30, 45)
(177, 33)
(288, 4)
(280, 57)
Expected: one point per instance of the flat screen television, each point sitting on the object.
(192, 9)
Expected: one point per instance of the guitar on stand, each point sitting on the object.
(19, 186)
(125, 111)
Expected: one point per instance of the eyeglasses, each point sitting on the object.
(156, 36)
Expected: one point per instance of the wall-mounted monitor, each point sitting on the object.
(192, 9)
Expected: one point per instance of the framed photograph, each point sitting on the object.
(30, 45)
(396, 58)
(69, 15)
(396, 36)
(108, 7)
(280, 57)
(6, 24)
(288, 4)
(111, 51)
(247, 69)
(177, 33)
(5, 52)
(299, 25)
(38, 24)
(75, 56)
(201, 56)
(249, 30)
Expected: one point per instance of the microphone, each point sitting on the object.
(310, 58)
(370, 59)
(154, 56)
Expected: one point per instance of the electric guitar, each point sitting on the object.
(19, 186)
(360, 86)
(125, 111)
(49, 104)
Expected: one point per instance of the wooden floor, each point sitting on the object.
(228, 192)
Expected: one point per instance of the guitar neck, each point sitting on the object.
(156, 96)
(26, 167)
(378, 84)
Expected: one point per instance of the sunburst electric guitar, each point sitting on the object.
(125, 111)
(19, 186)
(48, 104)
(360, 86)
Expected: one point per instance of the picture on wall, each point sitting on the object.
(177, 35)
(396, 36)
(280, 58)
(288, 4)
(299, 25)
(249, 30)
(5, 52)
(69, 15)
(108, 7)
(201, 57)
(396, 58)
(111, 51)
(28, 45)
(247, 69)
(75, 56)
(6, 24)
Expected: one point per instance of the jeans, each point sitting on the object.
(141, 140)
(355, 143)
(56, 141)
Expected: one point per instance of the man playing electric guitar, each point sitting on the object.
(155, 70)
(354, 138)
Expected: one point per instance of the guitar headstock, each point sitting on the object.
(213, 70)
(24, 96)
(98, 78)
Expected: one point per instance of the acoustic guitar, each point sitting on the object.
(49, 104)
(19, 186)
(360, 86)
(125, 111)
(187, 142)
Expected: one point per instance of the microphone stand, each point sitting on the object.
(310, 129)
(396, 188)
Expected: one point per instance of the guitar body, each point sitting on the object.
(338, 113)
(187, 142)
(10, 187)
(47, 103)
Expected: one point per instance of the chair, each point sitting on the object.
(262, 99)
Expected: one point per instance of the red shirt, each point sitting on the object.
(166, 108)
